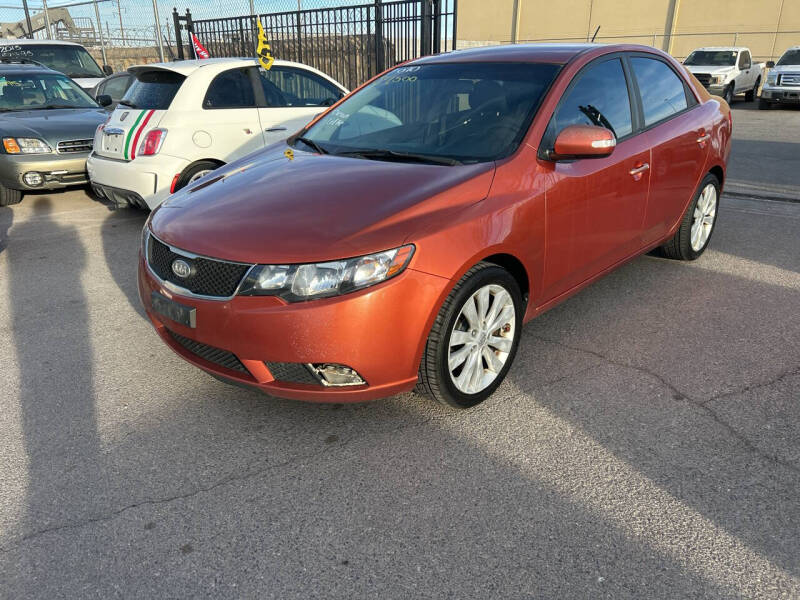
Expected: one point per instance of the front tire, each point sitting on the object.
(694, 233)
(764, 104)
(474, 339)
(727, 94)
(9, 196)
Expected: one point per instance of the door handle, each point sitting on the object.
(703, 139)
(637, 172)
(276, 129)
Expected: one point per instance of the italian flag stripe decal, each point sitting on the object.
(129, 153)
(138, 133)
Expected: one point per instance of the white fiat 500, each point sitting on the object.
(181, 120)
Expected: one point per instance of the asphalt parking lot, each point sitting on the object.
(645, 445)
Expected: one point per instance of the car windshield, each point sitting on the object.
(40, 91)
(713, 58)
(466, 112)
(790, 57)
(153, 90)
(73, 61)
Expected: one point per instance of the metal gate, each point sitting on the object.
(349, 43)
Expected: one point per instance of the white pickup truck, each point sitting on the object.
(782, 85)
(726, 71)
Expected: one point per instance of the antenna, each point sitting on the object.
(595, 33)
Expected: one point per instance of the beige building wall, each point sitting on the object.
(768, 27)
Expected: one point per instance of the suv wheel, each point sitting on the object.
(727, 95)
(751, 95)
(9, 196)
(474, 338)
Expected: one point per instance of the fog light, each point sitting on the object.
(336, 375)
(33, 179)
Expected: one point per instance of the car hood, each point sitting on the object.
(281, 206)
(710, 69)
(53, 125)
(785, 69)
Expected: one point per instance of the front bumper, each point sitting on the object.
(146, 178)
(379, 332)
(782, 94)
(57, 171)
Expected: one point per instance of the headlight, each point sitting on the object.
(772, 78)
(297, 283)
(717, 78)
(26, 146)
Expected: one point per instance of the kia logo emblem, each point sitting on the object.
(181, 268)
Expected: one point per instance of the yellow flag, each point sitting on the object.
(263, 51)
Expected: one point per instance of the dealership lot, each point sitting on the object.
(646, 443)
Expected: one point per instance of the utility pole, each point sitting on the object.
(100, 30)
(47, 20)
(252, 7)
(515, 13)
(158, 32)
(28, 18)
(121, 28)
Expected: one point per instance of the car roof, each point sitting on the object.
(534, 53)
(723, 48)
(28, 42)
(22, 68)
(187, 67)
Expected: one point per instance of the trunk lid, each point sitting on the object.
(124, 131)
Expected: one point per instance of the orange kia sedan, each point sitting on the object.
(401, 239)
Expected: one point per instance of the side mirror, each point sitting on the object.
(770, 64)
(104, 100)
(108, 70)
(583, 141)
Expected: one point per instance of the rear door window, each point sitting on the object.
(663, 92)
(153, 90)
(231, 89)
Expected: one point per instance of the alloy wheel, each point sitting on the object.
(198, 175)
(481, 339)
(705, 211)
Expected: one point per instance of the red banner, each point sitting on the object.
(199, 49)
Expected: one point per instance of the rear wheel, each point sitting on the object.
(764, 104)
(9, 196)
(751, 95)
(474, 338)
(694, 233)
(195, 172)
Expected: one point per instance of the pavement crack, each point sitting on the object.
(701, 405)
(250, 474)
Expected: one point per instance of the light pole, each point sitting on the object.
(100, 30)
(158, 32)
(28, 18)
(47, 20)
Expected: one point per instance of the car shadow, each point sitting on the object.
(686, 393)
(6, 221)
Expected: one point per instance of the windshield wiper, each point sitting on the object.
(127, 103)
(409, 156)
(311, 144)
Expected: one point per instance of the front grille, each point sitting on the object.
(74, 146)
(790, 79)
(209, 277)
(292, 373)
(704, 78)
(219, 357)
